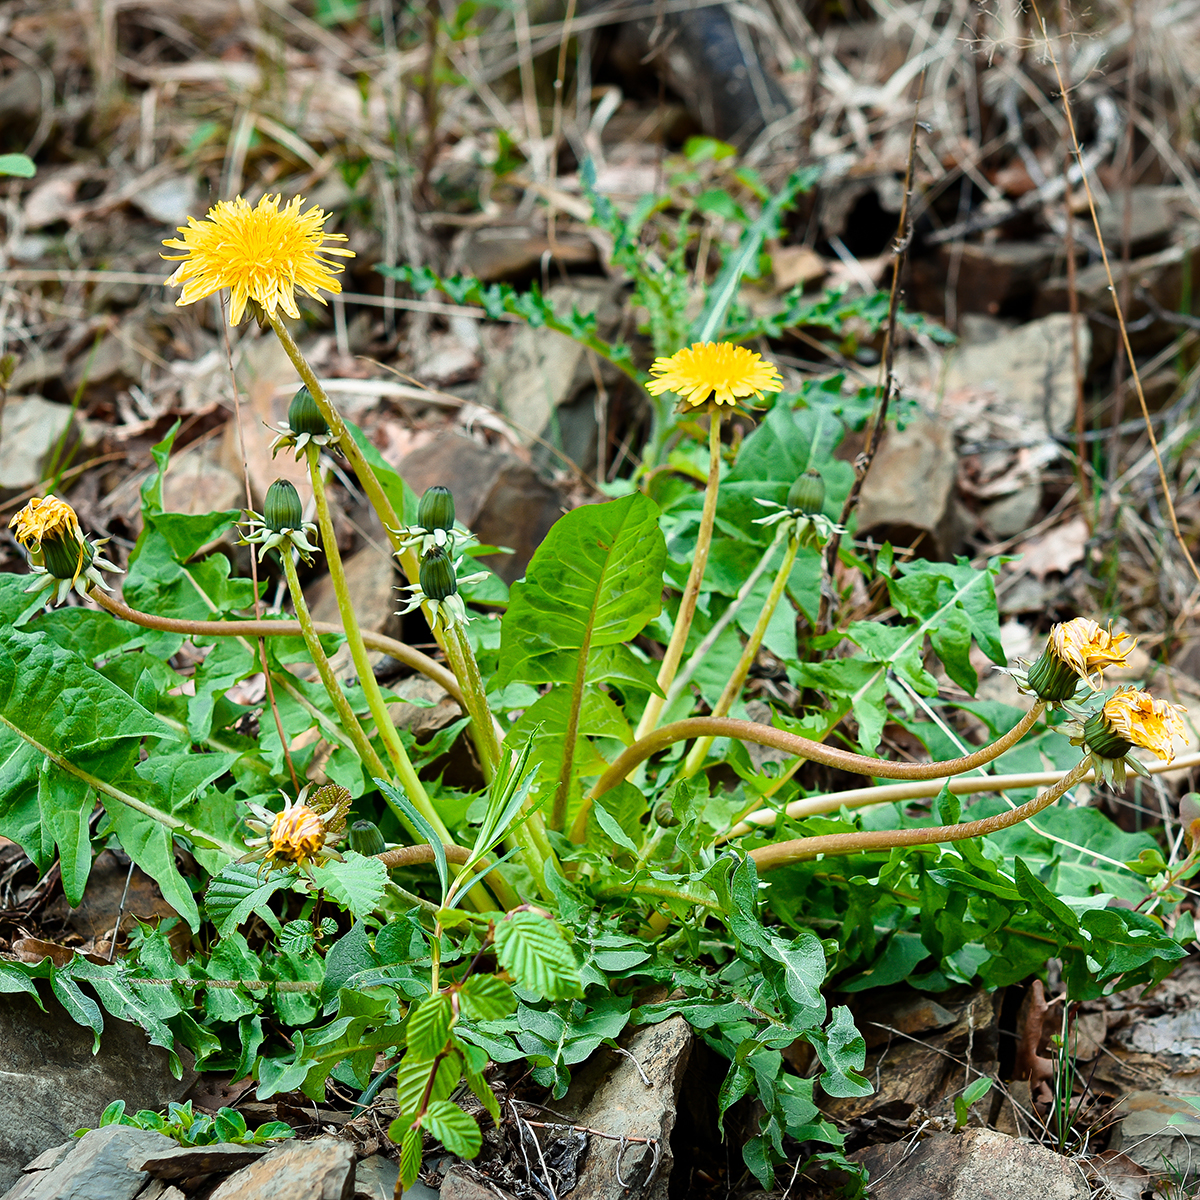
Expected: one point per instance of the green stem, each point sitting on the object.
(174, 824)
(462, 662)
(691, 591)
(733, 688)
(652, 887)
(350, 723)
(405, 771)
(780, 854)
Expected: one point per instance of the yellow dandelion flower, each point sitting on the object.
(1141, 720)
(303, 833)
(45, 518)
(1088, 649)
(726, 372)
(262, 254)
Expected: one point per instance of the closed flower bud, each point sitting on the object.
(282, 508)
(366, 839)
(664, 814)
(807, 494)
(65, 556)
(304, 416)
(1102, 739)
(438, 578)
(436, 510)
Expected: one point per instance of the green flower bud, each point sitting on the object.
(807, 494)
(62, 556)
(282, 508)
(304, 416)
(366, 839)
(664, 814)
(1052, 679)
(436, 510)
(438, 578)
(1102, 739)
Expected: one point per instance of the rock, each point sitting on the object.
(318, 1170)
(99, 1167)
(34, 367)
(994, 277)
(1154, 215)
(1147, 1136)
(423, 720)
(375, 1179)
(197, 483)
(622, 1104)
(907, 497)
(459, 1184)
(182, 1162)
(1014, 513)
(32, 429)
(169, 201)
(48, 1062)
(977, 1164)
(1162, 275)
(500, 498)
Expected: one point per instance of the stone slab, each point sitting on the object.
(322, 1169)
(100, 1167)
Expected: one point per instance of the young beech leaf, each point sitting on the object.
(540, 959)
(429, 1027)
(412, 1081)
(410, 1153)
(356, 883)
(486, 998)
(457, 1131)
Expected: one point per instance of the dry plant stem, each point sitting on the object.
(766, 858)
(813, 806)
(697, 754)
(1068, 112)
(768, 735)
(400, 651)
(875, 429)
(370, 760)
(405, 771)
(691, 591)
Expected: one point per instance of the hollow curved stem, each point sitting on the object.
(462, 662)
(661, 891)
(732, 689)
(400, 651)
(350, 723)
(691, 591)
(830, 756)
(812, 806)
(767, 858)
(358, 650)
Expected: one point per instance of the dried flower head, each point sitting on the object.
(1128, 718)
(61, 556)
(1087, 648)
(261, 254)
(302, 834)
(720, 370)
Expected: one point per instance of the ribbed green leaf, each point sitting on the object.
(457, 1131)
(539, 958)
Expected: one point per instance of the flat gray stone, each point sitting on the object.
(182, 1162)
(375, 1179)
(51, 1083)
(99, 1167)
(622, 1104)
(1147, 1136)
(977, 1164)
(322, 1169)
(33, 427)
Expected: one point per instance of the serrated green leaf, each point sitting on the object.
(429, 1027)
(357, 883)
(457, 1131)
(239, 890)
(539, 958)
(486, 998)
(412, 1080)
(410, 1153)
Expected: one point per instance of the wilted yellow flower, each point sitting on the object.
(45, 517)
(1088, 649)
(1140, 719)
(261, 254)
(726, 372)
(302, 833)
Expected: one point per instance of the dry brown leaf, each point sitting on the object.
(1057, 549)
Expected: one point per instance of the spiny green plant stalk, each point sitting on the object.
(733, 689)
(358, 651)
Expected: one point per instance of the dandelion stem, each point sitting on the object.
(405, 771)
(781, 854)
(732, 690)
(691, 591)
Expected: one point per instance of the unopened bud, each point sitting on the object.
(438, 578)
(436, 510)
(282, 508)
(807, 494)
(366, 839)
(304, 416)
(65, 556)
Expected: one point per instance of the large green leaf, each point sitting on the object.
(595, 581)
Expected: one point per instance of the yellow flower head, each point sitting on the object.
(726, 372)
(1087, 649)
(1140, 719)
(303, 833)
(262, 254)
(47, 517)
